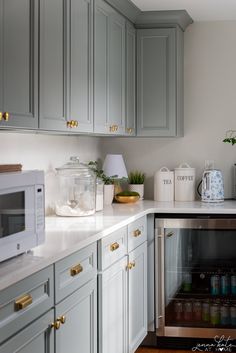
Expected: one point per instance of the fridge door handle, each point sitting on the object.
(159, 281)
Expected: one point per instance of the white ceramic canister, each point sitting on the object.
(184, 183)
(164, 185)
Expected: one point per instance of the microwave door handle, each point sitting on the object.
(159, 280)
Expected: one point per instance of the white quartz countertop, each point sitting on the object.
(65, 235)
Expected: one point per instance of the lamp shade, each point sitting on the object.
(114, 165)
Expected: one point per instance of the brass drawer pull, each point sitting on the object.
(0, 116)
(72, 123)
(6, 116)
(114, 246)
(62, 319)
(114, 128)
(133, 264)
(56, 325)
(137, 233)
(76, 270)
(23, 302)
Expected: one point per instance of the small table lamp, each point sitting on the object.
(114, 165)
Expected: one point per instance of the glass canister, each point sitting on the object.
(77, 189)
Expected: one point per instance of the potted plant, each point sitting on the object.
(108, 182)
(230, 137)
(136, 182)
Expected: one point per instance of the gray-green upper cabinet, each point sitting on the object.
(130, 79)
(81, 64)
(66, 62)
(109, 70)
(160, 82)
(19, 63)
(53, 79)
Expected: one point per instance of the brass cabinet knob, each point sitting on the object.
(114, 246)
(76, 270)
(56, 325)
(129, 130)
(22, 302)
(129, 266)
(0, 116)
(6, 116)
(137, 233)
(62, 319)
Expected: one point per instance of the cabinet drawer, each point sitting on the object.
(74, 271)
(24, 301)
(112, 248)
(137, 233)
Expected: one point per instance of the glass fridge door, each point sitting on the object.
(200, 276)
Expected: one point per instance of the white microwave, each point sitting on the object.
(22, 212)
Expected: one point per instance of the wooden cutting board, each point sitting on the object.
(8, 168)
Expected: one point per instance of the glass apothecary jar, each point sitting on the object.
(77, 189)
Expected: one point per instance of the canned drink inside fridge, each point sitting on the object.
(233, 315)
(187, 282)
(188, 311)
(225, 284)
(224, 315)
(215, 314)
(197, 310)
(178, 308)
(206, 311)
(215, 284)
(233, 284)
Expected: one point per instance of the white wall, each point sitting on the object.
(46, 152)
(210, 109)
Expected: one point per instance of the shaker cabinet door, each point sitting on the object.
(137, 301)
(109, 66)
(53, 79)
(81, 64)
(159, 82)
(36, 338)
(19, 63)
(130, 80)
(112, 308)
(78, 333)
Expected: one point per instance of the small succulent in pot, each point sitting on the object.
(136, 182)
(136, 177)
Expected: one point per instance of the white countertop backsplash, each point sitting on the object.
(65, 235)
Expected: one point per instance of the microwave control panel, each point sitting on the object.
(39, 201)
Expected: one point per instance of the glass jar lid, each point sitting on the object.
(75, 167)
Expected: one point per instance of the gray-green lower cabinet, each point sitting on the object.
(78, 316)
(109, 70)
(19, 63)
(160, 82)
(112, 308)
(137, 307)
(38, 337)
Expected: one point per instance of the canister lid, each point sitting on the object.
(74, 163)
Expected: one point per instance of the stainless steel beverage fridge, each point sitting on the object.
(195, 275)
